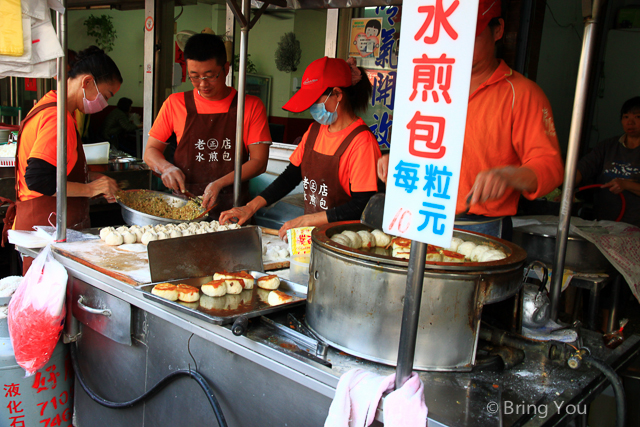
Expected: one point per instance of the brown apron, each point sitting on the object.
(37, 211)
(206, 152)
(321, 173)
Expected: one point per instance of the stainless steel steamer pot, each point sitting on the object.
(355, 299)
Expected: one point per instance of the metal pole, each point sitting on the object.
(411, 312)
(579, 107)
(242, 77)
(61, 175)
(149, 70)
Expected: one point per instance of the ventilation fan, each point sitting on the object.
(182, 37)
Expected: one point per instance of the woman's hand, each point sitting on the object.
(105, 186)
(173, 178)
(210, 194)
(243, 213)
(383, 168)
(616, 185)
(310, 220)
(493, 183)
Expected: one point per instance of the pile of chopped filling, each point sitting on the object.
(152, 204)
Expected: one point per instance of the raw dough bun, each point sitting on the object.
(356, 241)
(147, 228)
(215, 288)
(163, 235)
(148, 236)
(492, 255)
(233, 226)
(128, 238)
(183, 226)
(222, 228)
(234, 286)
(341, 239)
(200, 231)
(477, 252)
(122, 229)
(193, 226)
(204, 223)
(466, 248)
(105, 232)
(269, 282)
(175, 233)
(368, 239)
(188, 293)
(382, 239)
(214, 224)
(114, 239)
(455, 242)
(187, 233)
(277, 298)
(166, 291)
(209, 230)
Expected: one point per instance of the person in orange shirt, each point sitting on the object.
(336, 159)
(93, 79)
(204, 121)
(510, 142)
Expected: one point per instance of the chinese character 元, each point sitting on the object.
(438, 16)
(200, 144)
(434, 181)
(430, 71)
(435, 215)
(429, 132)
(407, 176)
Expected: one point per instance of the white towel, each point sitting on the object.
(359, 392)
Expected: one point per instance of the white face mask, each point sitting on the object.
(95, 106)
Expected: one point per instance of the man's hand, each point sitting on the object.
(173, 178)
(383, 168)
(309, 220)
(493, 183)
(210, 194)
(105, 186)
(617, 185)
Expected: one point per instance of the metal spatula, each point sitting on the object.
(374, 211)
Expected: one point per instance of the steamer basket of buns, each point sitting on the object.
(361, 290)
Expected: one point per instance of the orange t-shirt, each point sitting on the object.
(173, 116)
(357, 170)
(39, 140)
(509, 122)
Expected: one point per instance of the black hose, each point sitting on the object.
(616, 384)
(151, 392)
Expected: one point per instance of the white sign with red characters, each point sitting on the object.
(434, 72)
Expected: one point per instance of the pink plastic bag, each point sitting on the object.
(36, 312)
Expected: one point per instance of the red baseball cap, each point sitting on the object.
(487, 10)
(320, 75)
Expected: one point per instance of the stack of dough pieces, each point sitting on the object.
(362, 239)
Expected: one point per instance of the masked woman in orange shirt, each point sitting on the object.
(93, 78)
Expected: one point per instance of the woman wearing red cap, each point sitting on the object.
(336, 159)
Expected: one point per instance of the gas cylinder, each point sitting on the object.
(43, 399)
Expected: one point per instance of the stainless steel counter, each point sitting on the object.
(261, 382)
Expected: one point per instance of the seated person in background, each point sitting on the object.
(117, 124)
(615, 162)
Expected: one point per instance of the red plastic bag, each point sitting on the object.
(36, 312)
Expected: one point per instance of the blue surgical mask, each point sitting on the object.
(321, 115)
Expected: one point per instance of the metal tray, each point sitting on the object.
(250, 303)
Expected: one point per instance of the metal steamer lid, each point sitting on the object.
(516, 256)
(544, 230)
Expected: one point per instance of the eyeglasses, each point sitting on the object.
(204, 79)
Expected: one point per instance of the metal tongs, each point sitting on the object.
(321, 348)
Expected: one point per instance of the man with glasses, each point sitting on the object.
(204, 121)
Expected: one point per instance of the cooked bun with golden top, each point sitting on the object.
(188, 293)
(277, 298)
(215, 288)
(234, 286)
(269, 282)
(166, 291)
